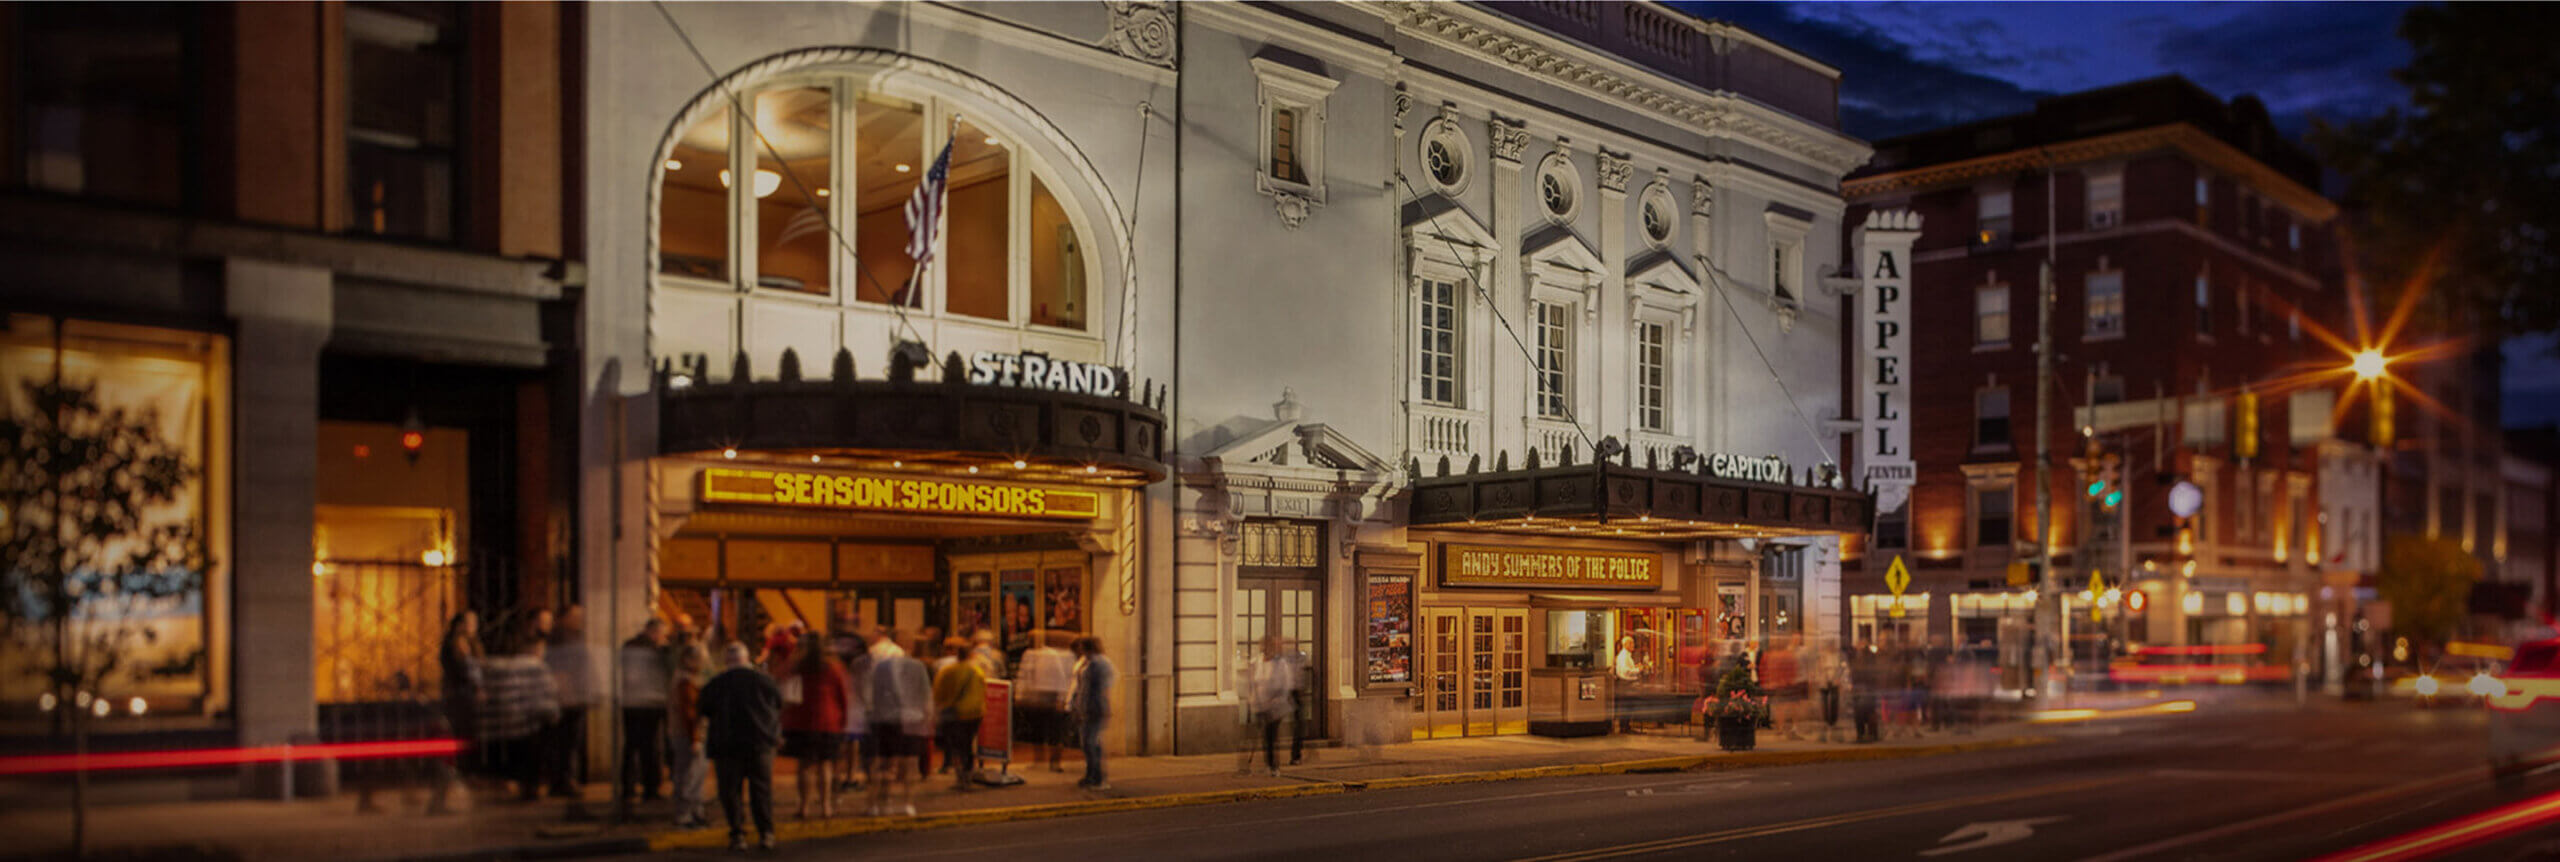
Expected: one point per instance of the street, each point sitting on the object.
(2265, 781)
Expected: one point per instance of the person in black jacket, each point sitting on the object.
(744, 710)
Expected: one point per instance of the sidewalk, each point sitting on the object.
(332, 829)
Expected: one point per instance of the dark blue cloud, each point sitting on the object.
(1909, 67)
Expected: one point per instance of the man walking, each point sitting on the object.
(1274, 698)
(573, 674)
(743, 708)
(1090, 706)
(1046, 674)
(644, 711)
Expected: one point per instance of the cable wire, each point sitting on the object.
(1716, 275)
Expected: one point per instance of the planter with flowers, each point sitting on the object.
(1736, 708)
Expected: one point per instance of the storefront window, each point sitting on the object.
(1581, 639)
(170, 389)
(389, 551)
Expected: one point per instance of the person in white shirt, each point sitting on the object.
(1273, 694)
(1046, 672)
(1629, 670)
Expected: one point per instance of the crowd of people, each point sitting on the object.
(862, 708)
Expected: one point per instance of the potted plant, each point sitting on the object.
(1737, 707)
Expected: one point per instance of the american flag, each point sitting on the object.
(924, 209)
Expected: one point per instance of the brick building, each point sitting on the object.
(2194, 270)
(303, 233)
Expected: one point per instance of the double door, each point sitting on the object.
(1474, 672)
(1288, 605)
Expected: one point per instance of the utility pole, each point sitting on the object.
(2049, 605)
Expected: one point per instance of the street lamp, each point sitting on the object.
(2369, 364)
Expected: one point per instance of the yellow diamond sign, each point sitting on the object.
(1898, 577)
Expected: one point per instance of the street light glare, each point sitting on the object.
(2369, 364)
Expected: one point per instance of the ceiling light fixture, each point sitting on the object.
(675, 165)
(903, 168)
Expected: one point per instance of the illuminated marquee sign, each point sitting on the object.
(1483, 566)
(1768, 469)
(932, 496)
(1030, 370)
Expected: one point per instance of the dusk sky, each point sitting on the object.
(1912, 66)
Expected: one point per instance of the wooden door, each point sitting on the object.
(1440, 709)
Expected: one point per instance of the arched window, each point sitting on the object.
(1005, 251)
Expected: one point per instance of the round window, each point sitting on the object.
(1559, 187)
(1657, 215)
(1443, 161)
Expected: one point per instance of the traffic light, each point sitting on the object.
(2106, 487)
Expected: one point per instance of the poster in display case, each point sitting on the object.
(1390, 636)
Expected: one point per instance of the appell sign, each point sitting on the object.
(1884, 344)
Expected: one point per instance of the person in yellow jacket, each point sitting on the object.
(960, 703)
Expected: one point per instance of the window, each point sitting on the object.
(1659, 215)
(1650, 365)
(106, 90)
(1445, 155)
(1991, 417)
(1559, 187)
(177, 385)
(2204, 199)
(821, 210)
(2204, 305)
(2108, 389)
(1284, 145)
(1292, 146)
(1991, 218)
(2106, 198)
(1786, 254)
(404, 74)
(2105, 294)
(1441, 351)
(1893, 529)
(2293, 236)
(1992, 524)
(793, 160)
(2240, 303)
(1991, 315)
(1554, 322)
(2293, 325)
(1782, 262)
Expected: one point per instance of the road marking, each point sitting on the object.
(2245, 826)
(1992, 834)
(1708, 787)
(1705, 838)
(2261, 775)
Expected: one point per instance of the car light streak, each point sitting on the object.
(42, 764)
(2456, 834)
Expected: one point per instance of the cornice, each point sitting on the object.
(2183, 138)
(1532, 52)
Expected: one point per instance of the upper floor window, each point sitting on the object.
(1442, 349)
(404, 80)
(1991, 218)
(2204, 304)
(2293, 237)
(1292, 141)
(2204, 199)
(1554, 324)
(1991, 417)
(1786, 254)
(1782, 265)
(1652, 361)
(2104, 292)
(2106, 198)
(1991, 315)
(999, 246)
(1893, 529)
(1993, 507)
(105, 91)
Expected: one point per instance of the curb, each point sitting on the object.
(804, 830)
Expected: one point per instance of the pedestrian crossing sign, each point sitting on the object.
(1898, 577)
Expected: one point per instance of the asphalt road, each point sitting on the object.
(2219, 783)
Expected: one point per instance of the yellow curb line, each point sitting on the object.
(805, 830)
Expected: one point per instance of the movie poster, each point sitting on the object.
(1390, 645)
(1017, 595)
(1062, 594)
(972, 612)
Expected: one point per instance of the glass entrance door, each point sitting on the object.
(1289, 606)
(1475, 672)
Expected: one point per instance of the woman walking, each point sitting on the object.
(459, 659)
(959, 704)
(684, 730)
(813, 726)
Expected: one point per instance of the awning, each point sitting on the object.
(1010, 420)
(1610, 499)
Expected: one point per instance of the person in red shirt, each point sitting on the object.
(815, 697)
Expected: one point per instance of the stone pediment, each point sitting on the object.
(1661, 270)
(1436, 215)
(1290, 444)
